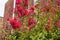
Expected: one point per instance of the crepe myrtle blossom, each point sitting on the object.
(30, 29)
(15, 24)
(31, 21)
(25, 2)
(43, 9)
(24, 27)
(32, 8)
(26, 12)
(57, 0)
(23, 11)
(53, 9)
(48, 1)
(57, 24)
(50, 22)
(22, 2)
(19, 1)
(19, 7)
(48, 6)
(48, 28)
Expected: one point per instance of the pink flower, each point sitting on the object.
(30, 29)
(57, 0)
(24, 28)
(53, 9)
(26, 12)
(15, 24)
(19, 7)
(49, 1)
(32, 8)
(48, 6)
(15, 18)
(26, 2)
(50, 22)
(58, 6)
(15, 11)
(19, 14)
(48, 28)
(31, 21)
(57, 24)
(19, 1)
(43, 9)
(8, 18)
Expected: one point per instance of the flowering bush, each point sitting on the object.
(40, 22)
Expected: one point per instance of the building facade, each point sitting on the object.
(1, 21)
(8, 10)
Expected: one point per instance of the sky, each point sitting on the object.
(2, 7)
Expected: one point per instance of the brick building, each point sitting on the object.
(1, 21)
(8, 9)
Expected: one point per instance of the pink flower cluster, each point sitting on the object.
(22, 1)
(21, 11)
(15, 24)
(47, 7)
(57, 24)
(21, 8)
(24, 15)
(58, 0)
(31, 21)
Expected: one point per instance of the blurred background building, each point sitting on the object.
(1, 21)
(8, 8)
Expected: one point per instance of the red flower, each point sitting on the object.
(30, 29)
(26, 2)
(53, 9)
(26, 12)
(19, 1)
(8, 17)
(31, 21)
(58, 6)
(48, 6)
(15, 24)
(49, 1)
(19, 14)
(48, 28)
(43, 9)
(50, 22)
(32, 8)
(35, 5)
(19, 7)
(57, 0)
(15, 11)
(57, 24)
(24, 28)
(15, 17)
